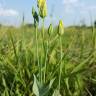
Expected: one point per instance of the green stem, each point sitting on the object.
(60, 66)
(43, 47)
(43, 38)
(37, 52)
(43, 29)
(37, 46)
(41, 70)
(53, 39)
(45, 63)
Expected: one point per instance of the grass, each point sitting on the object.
(19, 62)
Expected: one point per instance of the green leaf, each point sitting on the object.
(45, 88)
(56, 93)
(5, 93)
(41, 90)
(35, 87)
(81, 65)
(4, 82)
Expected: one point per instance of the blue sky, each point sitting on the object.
(70, 11)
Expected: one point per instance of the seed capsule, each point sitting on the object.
(50, 29)
(42, 8)
(61, 28)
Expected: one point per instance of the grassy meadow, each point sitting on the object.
(53, 61)
(20, 72)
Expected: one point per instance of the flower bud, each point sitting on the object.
(61, 28)
(50, 29)
(42, 8)
(33, 11)
(35, 16)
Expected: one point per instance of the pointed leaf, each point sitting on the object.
(35, 87)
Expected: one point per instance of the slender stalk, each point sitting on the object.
(37, 50)
(43, 53)
(36, 44)
(53, 39)
(60, 66)
(43, 29)
(45, 50)
(41, 70)
(45, 63)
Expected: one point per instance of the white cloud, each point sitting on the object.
(8, 12)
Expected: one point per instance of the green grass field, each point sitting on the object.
(22, 75)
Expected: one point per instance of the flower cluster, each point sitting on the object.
(42, 8)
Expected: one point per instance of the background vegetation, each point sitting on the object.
(18, 61)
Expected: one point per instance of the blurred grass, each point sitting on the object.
(18, 61)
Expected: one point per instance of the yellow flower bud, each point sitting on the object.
(39, 3)
(61, 28)
(42, 8)
(50, 29)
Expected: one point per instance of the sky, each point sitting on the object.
(72, 12)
